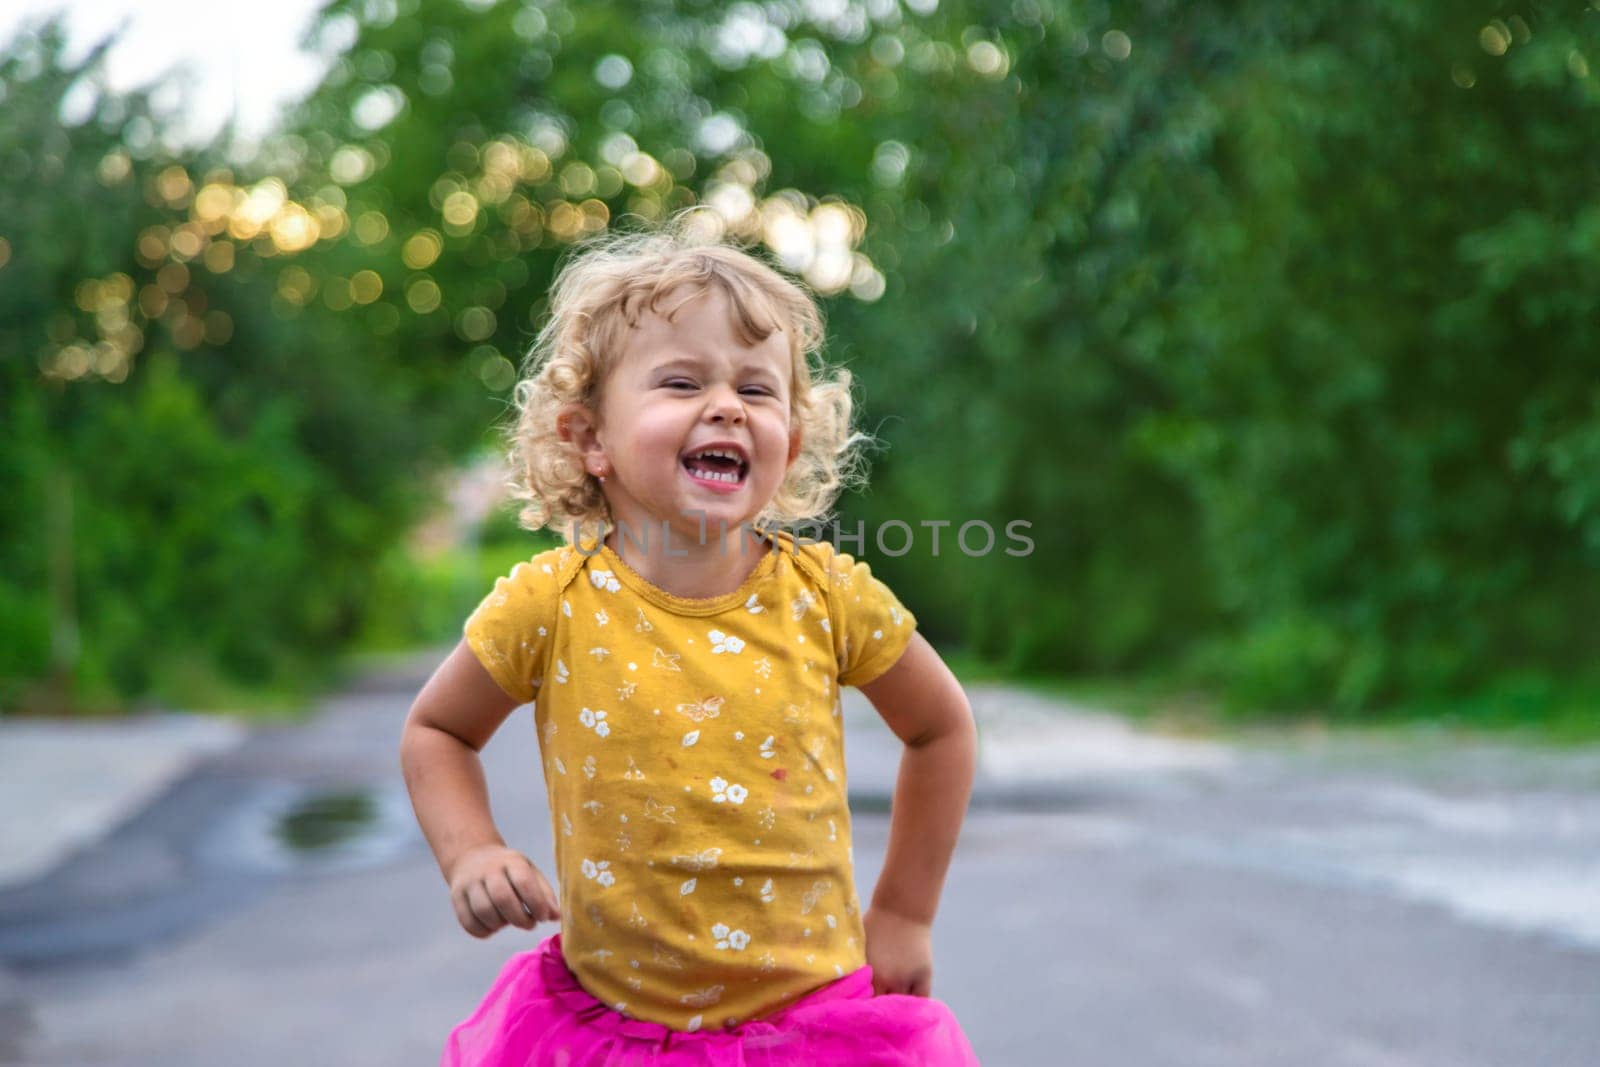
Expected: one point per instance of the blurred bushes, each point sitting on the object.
(1275, 322)
(422, 597)
(1278, 322)
(199, 487)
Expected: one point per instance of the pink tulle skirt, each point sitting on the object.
(536, 1014)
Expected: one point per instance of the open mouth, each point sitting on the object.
(717, 465)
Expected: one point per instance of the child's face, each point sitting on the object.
(679, 387)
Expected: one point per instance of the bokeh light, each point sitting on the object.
(475, 324)
(365, 286)
(422, 249)
(1117, 45)
(423, 295)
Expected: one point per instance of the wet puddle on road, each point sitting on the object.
(288, 829)
(201, 852)
(326, 820)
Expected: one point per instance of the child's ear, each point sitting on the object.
(578, 426)
(796, 439)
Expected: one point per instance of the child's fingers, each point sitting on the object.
(905, 982)
(526, 900)
(466, 917)
(483, 909)
(506, 901)
(552, 903)
(535, 892)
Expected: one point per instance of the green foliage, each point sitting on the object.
(421, 598)
(1280, 326)
(1275, 322)
(201, 491)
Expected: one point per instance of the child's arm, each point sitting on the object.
(451, 720)
(926, 708)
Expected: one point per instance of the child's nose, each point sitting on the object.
(723, 405)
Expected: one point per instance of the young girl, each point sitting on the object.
(685, 662)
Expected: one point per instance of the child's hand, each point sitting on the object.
(900, 951)
(493, 885)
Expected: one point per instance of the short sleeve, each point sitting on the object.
(509, 631)
(872, 627)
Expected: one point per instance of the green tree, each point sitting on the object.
(1274, 322)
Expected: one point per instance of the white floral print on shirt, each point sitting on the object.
(598, 872)
(725, 643)
(722, 791)
(730, 939)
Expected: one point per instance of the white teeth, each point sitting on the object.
(728, 477)
(723, 453)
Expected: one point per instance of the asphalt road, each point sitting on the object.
(1370, 909)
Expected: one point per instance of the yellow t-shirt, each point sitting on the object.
(694, 759)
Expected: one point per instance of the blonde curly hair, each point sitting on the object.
(599, 294)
